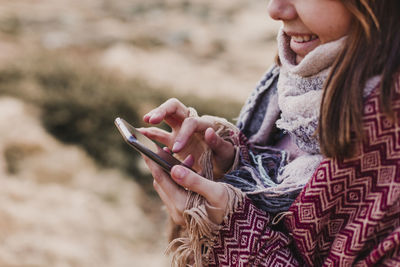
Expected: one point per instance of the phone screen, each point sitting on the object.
(145, 145)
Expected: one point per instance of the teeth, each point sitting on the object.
(304, 38)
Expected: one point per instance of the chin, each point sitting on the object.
(299, 59)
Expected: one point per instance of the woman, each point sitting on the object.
(319, 171)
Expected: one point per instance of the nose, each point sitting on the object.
(281, 10)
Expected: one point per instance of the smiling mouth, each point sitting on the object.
(302, 44)
(304, 38)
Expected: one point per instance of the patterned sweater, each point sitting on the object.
(348, 214)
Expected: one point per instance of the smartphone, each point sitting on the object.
(145, 145)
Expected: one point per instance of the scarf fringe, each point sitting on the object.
(194, 249)
(196, 240)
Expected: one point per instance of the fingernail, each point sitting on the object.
(152, 117)
(210, 132)
(189, 160)
(177, 146)
(180, 172)
(157, 178)
(214, 140)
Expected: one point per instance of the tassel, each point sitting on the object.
(191, 245)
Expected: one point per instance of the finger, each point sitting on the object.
(164, 197)
(189, 161)
(218, 145)
(173, 196)
(188, 128)
(166, 149)
(213, 192)
(157, 134)
(172, 111)
(170, 193)
(171, 189)
(158, 115)
(173, 212)
(147, 116)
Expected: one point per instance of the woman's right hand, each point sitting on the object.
(189, 135)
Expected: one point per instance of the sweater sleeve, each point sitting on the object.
(247, 239)
(348, 214)
(386, 253)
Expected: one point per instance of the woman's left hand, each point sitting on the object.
(175, 197)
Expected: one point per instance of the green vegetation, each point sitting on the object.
(79, 103)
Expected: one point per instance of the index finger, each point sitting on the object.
(172, 111)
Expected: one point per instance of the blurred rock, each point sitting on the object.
(57, 208)
(166, 69)
(207, 48)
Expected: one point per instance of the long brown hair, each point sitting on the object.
(373, 48)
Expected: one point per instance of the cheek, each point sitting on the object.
(329, 29)
(338, 30)
(330, 20)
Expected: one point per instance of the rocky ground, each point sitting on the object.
(57, 206)
(206, 48)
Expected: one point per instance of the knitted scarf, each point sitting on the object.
(268, 178)
(264, 173)
(300, 90)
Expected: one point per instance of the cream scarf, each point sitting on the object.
(299, 97)
(300, 90)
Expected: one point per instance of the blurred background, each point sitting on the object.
(71, 192)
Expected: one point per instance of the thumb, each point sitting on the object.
(215, 193)
(222, 149)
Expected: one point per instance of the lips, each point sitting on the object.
(304, 38)
(302, 44)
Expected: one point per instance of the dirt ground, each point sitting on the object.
(57, 206)
(207, 48)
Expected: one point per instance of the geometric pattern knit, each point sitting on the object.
(348, 214)
(242, 241)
